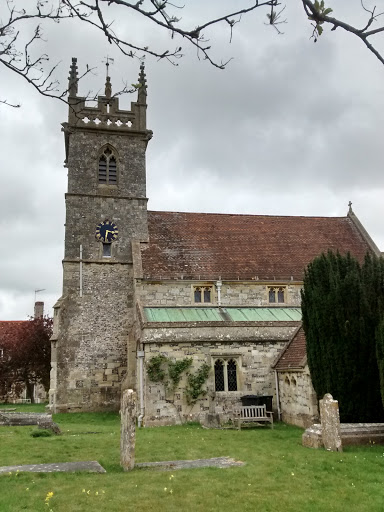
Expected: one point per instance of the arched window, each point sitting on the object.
(232, 375)
(225, 375)
(276, 294)
(219, 375)
(107, 167)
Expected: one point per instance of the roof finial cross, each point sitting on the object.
(350, 206)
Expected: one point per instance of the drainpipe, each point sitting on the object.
(81, 270)
(218, 286)
(277, 396)
(140, 355)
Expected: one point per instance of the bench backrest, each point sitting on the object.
(253, 411)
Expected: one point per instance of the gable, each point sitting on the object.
(211, 246)
(295, 354)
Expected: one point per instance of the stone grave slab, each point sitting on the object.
(67, 467)
(216, 462)
(21, 419)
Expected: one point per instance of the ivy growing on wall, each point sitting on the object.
(175, 369)
(162, 369)
(195, 383)
(155, 368)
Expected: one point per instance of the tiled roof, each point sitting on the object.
(209, 245)
(294, 355)
(10, 331)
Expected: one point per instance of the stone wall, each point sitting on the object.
(245, 293)
(298, 400)
(17, 393)
(96, 312)
(254, 360)
(89, 358)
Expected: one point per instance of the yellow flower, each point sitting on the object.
(97, 493)
(293, 474)
(171, 491)
(88, 492)
(165, 489)
(83, 490)
(27, 489)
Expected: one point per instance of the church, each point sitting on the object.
(143, 289)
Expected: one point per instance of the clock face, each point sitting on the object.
(106, 232)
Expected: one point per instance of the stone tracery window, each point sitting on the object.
(202, 294)
(226, 375)
(276, 294)
(107, 167)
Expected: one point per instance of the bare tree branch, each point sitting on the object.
(16, 48)
(18, 42)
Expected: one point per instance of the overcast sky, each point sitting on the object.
(289, 128)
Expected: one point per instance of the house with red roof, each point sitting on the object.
(12, 336)
(144, 288)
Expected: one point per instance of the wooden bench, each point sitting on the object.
(253, 414)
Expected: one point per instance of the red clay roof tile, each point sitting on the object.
(294, 356)
(210, 245)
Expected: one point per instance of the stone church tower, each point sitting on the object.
(106, 219)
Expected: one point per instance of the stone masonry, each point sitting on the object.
(180, 293)
(254, 377)
(298, 400)
(94, 316)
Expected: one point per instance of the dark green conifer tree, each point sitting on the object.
(340, 317)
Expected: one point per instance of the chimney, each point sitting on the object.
(39, 310)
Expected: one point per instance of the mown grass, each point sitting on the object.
(279, 475)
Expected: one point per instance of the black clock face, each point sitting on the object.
(106, 232)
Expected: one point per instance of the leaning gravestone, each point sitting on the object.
(330, 423)
(128, 429)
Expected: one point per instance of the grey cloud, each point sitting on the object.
(290, 127)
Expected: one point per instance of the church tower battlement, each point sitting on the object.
(107, 114)
(106, 217)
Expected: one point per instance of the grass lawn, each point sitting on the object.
(279, 475)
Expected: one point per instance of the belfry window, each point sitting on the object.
(107, 168)
(226, 375)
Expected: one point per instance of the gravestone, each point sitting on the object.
(49, 425)
(22, 419)
(128, 429)
(330, 423)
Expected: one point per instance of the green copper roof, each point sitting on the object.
(222, 314)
